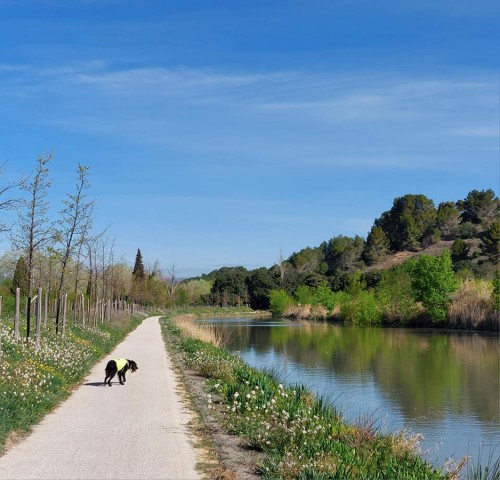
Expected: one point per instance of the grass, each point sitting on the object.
(33, 381)
(301, 435)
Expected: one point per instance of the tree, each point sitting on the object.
(138, 278)
(459, 250)
(448, 219)
(432, 282)
(343, 253)
(73, 224)
(490, 244)
(409, 219)
(34, 228)
(6, 202)
(376, 247)
(480, 207)
(259, 283)
(230, 285)
(21, 277)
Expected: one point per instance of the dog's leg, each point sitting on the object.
(111, 376)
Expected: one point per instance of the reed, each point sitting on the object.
(473, 307)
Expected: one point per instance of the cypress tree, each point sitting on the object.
(21, 277)
(138, 271)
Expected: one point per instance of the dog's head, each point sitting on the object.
(132, 365)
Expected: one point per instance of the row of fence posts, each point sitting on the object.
(103, 311)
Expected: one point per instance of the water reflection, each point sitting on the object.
(444, 385)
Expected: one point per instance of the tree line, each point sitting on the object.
(456, 240)
(65, 255)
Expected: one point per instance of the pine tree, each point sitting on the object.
(21, 277)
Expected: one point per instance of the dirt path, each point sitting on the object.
(135, 431)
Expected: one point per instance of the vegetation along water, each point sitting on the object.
(442, 385)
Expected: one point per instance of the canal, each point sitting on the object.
(442, 385)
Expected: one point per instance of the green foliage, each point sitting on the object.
(459, 250)
(433, 281)
(259, 283)
(467, 230)
(307, 260)
(377, 246)
(304, 295)
(480, 207)
(361, 308)
(325, 297)
(138, 271)
(448, 219)
(395, 296)
(21, 277)
(495, 294)
(410, 217)
(279, 300)
(490, 245)
(343, 253)
(229, 285)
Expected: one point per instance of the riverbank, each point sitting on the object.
(278, 431)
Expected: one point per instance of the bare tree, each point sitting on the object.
(282, 267)
(74, 217)
(34, 228)
(79, 250)
(171, 280)
(6, 202)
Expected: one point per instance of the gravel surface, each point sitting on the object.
(135, 431)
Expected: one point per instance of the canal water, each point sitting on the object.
(439, 384)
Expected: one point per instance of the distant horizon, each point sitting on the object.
(219, 134)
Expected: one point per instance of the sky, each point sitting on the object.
(218, 133)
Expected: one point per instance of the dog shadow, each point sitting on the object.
(98, 384)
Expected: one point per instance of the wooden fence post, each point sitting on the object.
(16, 314)
(38, 317)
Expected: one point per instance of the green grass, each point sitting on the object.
(34, 381)
(301, 435)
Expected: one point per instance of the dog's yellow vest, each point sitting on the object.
(120, 363)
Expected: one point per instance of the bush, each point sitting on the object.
(279, 300)
(361, 309)
(395, 296)
(432, 281)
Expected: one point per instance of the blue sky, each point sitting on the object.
(219, 132)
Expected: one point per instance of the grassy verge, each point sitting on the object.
(34, 381)
(300, 436)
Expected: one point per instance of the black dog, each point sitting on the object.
(120, 366)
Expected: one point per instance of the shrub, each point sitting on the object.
(279, 300)
(361, 309)
(432, 281)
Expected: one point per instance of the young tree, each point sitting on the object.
(74, 218)
(7, 202)
(432, 281)
(34, 228)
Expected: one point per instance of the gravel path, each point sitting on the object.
(135, 431)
